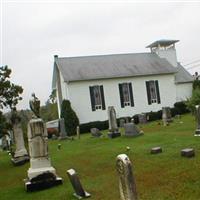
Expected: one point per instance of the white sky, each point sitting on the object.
(32, 32)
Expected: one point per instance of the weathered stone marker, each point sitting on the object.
(75, 181)
(121, 122)
(127, 185)
(156, 150)
(78, 132)
(131, 130)
(21, 155)
(166, 115)
(197, 131)
(113, 128)
(62, 131)
(189, 152)
(95, 132)
(142, 118)
(40, 174)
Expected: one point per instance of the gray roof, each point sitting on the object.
(112, 66)
(183, 76)
(162, 43)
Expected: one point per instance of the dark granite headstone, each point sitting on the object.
(74, 179)
(188, 152)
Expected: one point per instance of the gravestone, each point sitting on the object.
(62, 131)
(95, 132)
(75, 181)
(127, 184)
(166, 115)
(131, 130)
(121, 122)
(188, 152)
(113, 128)
(142, 118)
(5, 142)
(20, 155)
(41, 174)
(54, 137)
(126, 119)
(78, 132)
(156, 150)
(197, 113)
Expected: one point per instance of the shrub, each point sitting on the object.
(70, 117)
(181, 107)
(194, 100)
(154, 115)
(101, 125)
(196, 84)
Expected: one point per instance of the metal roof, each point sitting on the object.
(183, 76)
(112, 66)
(162, 43)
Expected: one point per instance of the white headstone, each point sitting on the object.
(41, 171)
(127, 185)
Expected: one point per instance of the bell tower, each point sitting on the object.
(165, 49)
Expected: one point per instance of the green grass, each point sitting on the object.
(164, 176)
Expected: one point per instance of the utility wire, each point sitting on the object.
(193, 66)
(192, 62)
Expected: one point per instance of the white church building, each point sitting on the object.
(133, 83)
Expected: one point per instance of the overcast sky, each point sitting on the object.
(33, 32)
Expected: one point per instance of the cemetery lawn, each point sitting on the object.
(163, 176)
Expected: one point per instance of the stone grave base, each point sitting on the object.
(87, 195)
(197, 132)
(42, 181)
(135, 134)
(20, 160)
(189, 152)
(156, 150)
(114, 134)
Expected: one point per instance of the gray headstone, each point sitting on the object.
(197, 113)
(5, 143)
(74, 179)
(126, 120)
(63, 133)
(188, 152)
(95, 132)
(131, 130)
(21, 155)
(121, 122)
(166, 115)
(142, 118)
(127, 184)
(78, 132)
(54, 137)
(113, 128)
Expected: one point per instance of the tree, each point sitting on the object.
(70, 117)
(9, 92)
(9, 96)
(195, 98)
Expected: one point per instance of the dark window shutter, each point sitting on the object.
(157, 91)
(102, 98)
(131, 94)
(121, 96)
(148, 92)
(92, 98)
